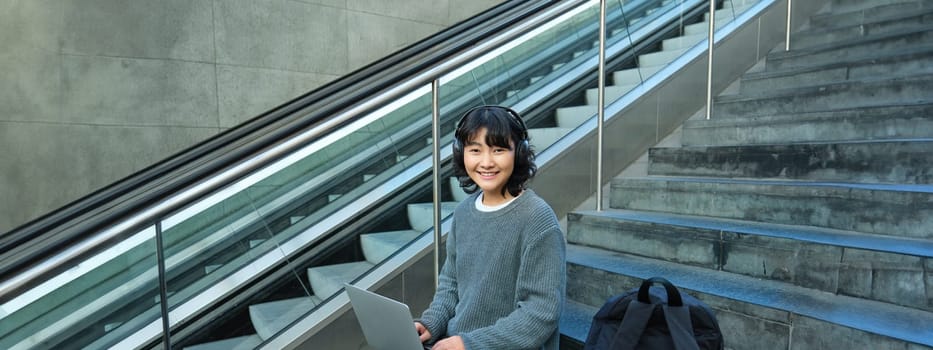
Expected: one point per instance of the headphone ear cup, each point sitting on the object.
(522, 150)
(458, 148)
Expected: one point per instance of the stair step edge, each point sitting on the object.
(796, 118)
(919, 51)
(575, 320)
(838, 86)
(800, 183)
(829, 236)
(875, 317)
(829, 17)
(843, 44)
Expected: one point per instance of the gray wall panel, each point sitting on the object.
(46, 165)
(76, 76)
(434, 11)
(138, 92)
(281, 34)
(371, 35)
(30, 25)
(32, 89)
(171, 29)
(245, 92)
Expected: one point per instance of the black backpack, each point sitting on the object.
(654, 318)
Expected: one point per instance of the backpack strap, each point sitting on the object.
(639, 312)
(678, 322)
(632, 326)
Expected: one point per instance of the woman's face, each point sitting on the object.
(490, 167)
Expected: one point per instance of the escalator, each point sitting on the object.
(253, 233)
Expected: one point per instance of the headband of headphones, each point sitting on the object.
(509, 111)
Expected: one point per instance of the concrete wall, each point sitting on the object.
(92, 91)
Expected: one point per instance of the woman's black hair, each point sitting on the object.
(502, 125)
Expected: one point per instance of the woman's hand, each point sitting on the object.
(423, 332)
(451, 343)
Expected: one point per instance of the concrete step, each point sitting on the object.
(613, 92)
(830, 28)
(876, 12)
(894, 210)
(872, 267)
(659, 58)
(271, 317)
(248, 342)
(763, 314)
(874, 123)
(542, 138)
(702, 27)
(903, 63)
(380, 245)
(421, 215)
(838, 6)
(634, 75)
(682, 42)
(864, 46)
(327, 280)
(845, 95)
(889, 161)
(575, 321)
(570, 117)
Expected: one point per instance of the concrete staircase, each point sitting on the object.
(802, 213)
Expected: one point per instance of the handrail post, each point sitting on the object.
(709, 70)
(790, 4)
(601, 105)
(436, 145)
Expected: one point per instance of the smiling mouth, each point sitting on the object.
(487, 174)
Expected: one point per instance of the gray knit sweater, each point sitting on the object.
(502, 285)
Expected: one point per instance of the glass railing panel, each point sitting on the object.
(289, 224)
(76, 308)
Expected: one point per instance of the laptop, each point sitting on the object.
(387, 324)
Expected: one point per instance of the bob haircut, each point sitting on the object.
(502, 126)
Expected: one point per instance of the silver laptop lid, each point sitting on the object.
(387, 324)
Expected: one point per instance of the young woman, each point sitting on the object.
(502, 285)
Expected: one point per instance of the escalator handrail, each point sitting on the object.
(25, 245)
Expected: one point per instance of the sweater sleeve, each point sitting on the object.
(541, 287)
(442, 307)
